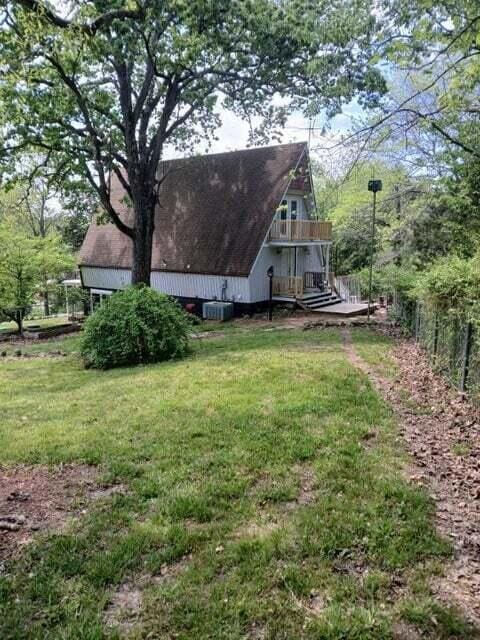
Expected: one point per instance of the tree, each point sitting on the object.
(348, 203)
(26, 266)
(74, 227)
(29, 208)
(53, 260)
(18, 274)
(436, 46)
(105, 86)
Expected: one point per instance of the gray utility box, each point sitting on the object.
(217, 310)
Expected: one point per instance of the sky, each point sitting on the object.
(233, 134)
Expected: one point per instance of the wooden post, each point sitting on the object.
(466, 356)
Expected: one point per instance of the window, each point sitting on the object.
(293, 209)
(283, 210)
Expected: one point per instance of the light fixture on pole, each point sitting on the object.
(374, 186)
(270, 292)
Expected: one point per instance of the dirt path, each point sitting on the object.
(442, 433)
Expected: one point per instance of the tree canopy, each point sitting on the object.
(26, 266)
(101, 88)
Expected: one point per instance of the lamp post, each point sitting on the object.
(374, 186)
(270, 292)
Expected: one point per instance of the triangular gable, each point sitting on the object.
(214, 213)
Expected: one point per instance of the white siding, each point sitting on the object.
(308, 259)
(192, 285)
(312, 259)
(94, 277)
(258, 280)
(183, 285)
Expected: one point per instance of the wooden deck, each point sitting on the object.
(344, 309)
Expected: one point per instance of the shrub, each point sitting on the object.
(387, 280)
(134, 326)
(451, 284)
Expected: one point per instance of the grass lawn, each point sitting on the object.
(70, 343)
(41, 322)
(375, 349)
(251, 474)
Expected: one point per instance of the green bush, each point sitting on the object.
(451, 284)
(135, 326)
(387, 280)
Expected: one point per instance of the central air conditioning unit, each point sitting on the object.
(217, 310)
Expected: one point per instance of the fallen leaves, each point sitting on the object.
(441, 430)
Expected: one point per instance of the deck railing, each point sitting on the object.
(314, 279)
(287, 286)
(301, 230)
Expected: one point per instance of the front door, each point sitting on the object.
(288, 213)
(289, 262)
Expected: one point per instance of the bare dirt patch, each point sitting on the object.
(312, 606)
(124, 607)
(274, 516)
(100, 493)
(126, 602)
(306, 493)
(403, 631)
(258, 529)
(442, 433)
(257, 631)
(37, 498)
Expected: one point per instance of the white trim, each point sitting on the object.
(265, 243)
(101, 292)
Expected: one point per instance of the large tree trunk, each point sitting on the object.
(142, 240)
(19, 321)
(46, 302)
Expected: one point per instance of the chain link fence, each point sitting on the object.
(453, 345)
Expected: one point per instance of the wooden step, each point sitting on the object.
(324, 303)
(316, 294)
(318, 301)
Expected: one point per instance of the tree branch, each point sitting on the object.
(104, 20)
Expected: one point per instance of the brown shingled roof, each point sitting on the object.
(214, 212)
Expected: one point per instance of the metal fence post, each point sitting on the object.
(466, 356)
(435, 338)
(417, 322)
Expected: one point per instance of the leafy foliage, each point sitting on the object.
(348, 203)
(135, 326)
(452, 284)
(388, 280)
(26, 266)
(19, 274)
(106, 88)
(436, 45)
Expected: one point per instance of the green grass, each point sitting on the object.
(42, 322)
(375, 349)
(67, 344)
(214, 450)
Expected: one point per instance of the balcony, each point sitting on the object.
(299, 231)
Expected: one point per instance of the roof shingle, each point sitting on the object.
(213, 216)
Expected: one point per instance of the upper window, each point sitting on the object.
(293, 209)
(283, 210)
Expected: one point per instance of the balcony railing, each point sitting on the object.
(295, 286)
(290, 286)
(300, 230)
